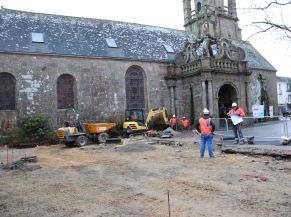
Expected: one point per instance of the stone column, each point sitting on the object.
(187, 11)
(203, 95)
(172, 100)
(248, 109)
(210, 96)
(171, 84)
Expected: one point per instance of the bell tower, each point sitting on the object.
(213, 18)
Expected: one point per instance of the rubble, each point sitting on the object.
(266, 150)
(24, 164)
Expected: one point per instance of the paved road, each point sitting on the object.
(267, 133)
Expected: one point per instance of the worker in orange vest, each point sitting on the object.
(185, 123)
(173, 122)
(206, 127)
(237, 127)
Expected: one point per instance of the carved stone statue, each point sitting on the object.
(206, 46)
(209, 47)
(224, 49)
(190, 52)
(229, 51)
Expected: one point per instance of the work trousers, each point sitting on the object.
(237, 130)
(206, 139)
(174, 126)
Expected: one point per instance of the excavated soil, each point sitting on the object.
(134, 179)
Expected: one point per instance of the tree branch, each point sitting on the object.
(272, 3)
(269, 26)
(274, 25)
(270, 22)
(261, 31)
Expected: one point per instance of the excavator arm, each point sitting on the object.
(157, 119)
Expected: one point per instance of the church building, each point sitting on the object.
(100, 68)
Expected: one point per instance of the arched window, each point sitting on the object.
(7, 92)
(65, 89)
(135, 93)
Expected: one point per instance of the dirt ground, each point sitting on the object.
(134, 180)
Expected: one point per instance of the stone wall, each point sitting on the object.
(100, 85)
(246, 88)
(270, 84)
(8, 120)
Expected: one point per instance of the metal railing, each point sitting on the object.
(250, 124)
(226, 123)
(221, 123)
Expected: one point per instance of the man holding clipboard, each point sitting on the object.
(236, 115)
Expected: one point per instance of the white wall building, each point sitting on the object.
(284, 93)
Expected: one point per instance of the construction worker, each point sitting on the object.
(185, 123)
(236, 115)
(173, 122)
(206, 127)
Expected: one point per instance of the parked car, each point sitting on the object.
(287, 113)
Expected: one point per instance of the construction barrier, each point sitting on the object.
(225, 124)
(264, 129)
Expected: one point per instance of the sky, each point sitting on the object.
(165, 13)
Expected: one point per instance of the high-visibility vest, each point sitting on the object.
(173, 121)
(205, 126)
(185, 123)
(238, 111)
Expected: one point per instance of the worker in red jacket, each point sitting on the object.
(206, 127)
(173, 122)
(236, 115)
(185, 123)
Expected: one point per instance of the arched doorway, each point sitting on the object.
(226, 96)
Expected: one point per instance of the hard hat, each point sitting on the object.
(234, 104)
(184, 117)
(205, 111)
(174, 116)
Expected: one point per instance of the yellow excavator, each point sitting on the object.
(157, 119)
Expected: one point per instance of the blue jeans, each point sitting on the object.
(237, 130)
(206, 139)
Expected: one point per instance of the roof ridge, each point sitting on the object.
(87, 18)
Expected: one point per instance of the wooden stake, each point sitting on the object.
(169, 203)
(6, 154)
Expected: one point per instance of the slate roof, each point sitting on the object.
(75, 36)
(254, 58)
(283, 79)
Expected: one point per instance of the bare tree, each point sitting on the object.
(275, 16)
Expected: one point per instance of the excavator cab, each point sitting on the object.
(157, 119)
(135, 115)
(134, 122)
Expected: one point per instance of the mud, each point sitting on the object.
(100, 181)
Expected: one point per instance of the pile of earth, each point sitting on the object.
(134, 146)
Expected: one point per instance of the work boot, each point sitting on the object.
(236, 141)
